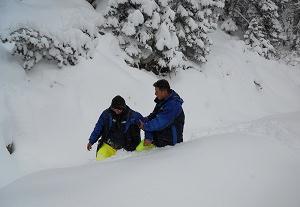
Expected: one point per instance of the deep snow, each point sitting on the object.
(242, 143)
(248, 167)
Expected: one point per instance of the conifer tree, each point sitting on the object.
(256, 38)
(160, 35)
(194, 19)
(260, 22)
(146, 32)
(291, 24)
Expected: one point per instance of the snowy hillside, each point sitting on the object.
(253, 165)
(241, 138)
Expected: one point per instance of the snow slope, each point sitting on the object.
(242, 168)
(241, 142)
(58, 108)
(58, 18)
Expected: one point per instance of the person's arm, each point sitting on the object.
(97, 132)
(164, 118)
(149, 117)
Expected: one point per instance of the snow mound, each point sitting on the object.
(231, 169)
(56, 18)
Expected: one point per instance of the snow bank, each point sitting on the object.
(225, 91)
(49, 113)
(57, 17)
(11, 80)
(245, 168)
(57, 31)
(9, 168)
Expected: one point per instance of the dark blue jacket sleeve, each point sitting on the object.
(138, 118)
(164, 118)
(98, 130)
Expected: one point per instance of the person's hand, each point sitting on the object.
(89, 146)
(147, 142)
(141, 125)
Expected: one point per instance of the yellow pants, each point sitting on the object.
(142, 147)
(105, 151)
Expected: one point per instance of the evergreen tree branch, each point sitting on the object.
(242, 16)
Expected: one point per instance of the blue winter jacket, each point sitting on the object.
(165, 124)
(104, 127)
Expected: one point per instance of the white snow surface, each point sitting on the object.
(241, 138)
(59, 18)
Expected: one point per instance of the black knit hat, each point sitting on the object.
(118, 103)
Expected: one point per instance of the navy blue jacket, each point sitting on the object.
(126, 136)
(166, 122)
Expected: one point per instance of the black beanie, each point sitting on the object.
(118, 102)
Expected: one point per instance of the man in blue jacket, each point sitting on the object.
(164, 126)
(117, 128)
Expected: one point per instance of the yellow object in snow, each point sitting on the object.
(142, 147)
(105, 151)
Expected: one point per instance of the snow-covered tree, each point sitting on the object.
(159, 35)
(34, 46)
(229, 26)
(92, 2)
(256, 38)
(291, 24)
(194, 19)
(260, 20)
(146, 32)
(166, 40)
(290, 16)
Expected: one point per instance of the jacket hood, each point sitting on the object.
(174, 96)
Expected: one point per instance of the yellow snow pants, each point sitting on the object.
(105, 151)
(141, 147)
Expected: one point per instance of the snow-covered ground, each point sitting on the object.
(242, 141)
(253, 164)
